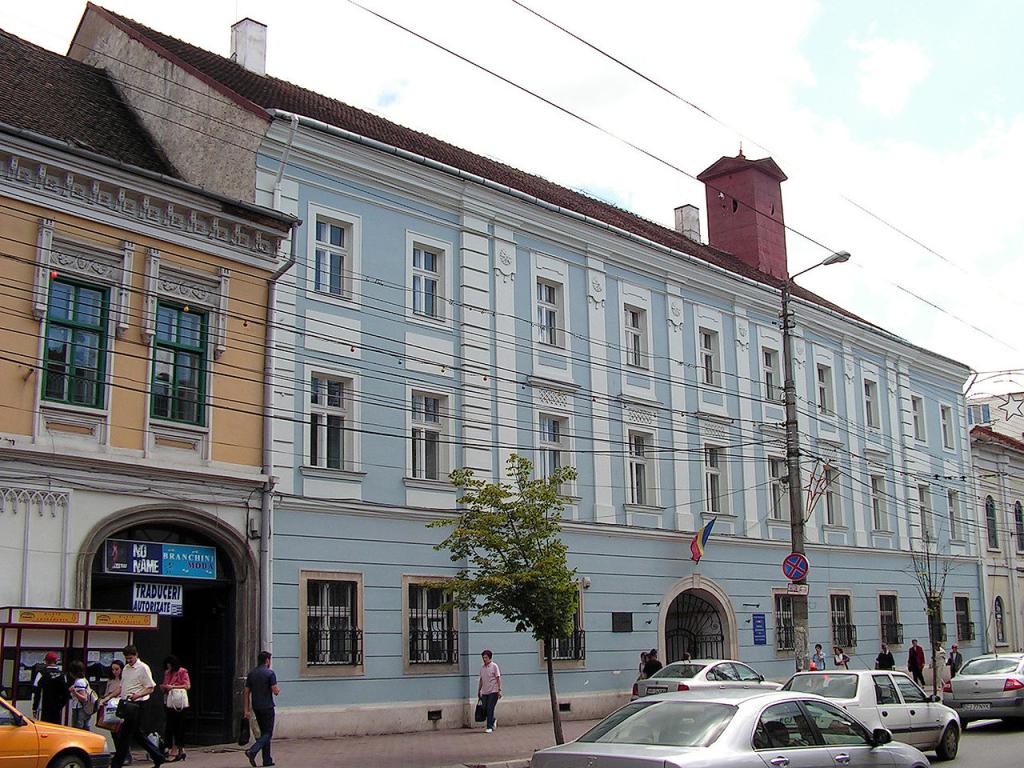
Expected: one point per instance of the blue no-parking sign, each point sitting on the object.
(795, 566)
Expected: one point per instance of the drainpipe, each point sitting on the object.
(267, 506)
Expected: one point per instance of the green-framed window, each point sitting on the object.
(76, 343)
(179, 364)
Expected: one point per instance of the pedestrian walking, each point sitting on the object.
(840, 659)
(83, 700)
(258, 699)
(488, 689)
(137, 685)
(652, 665)
(955, 661)
(915, 662)
(50, 691)
(111, 692)
(818, 657)
(643, 663)
(884, 659)
(175, 686)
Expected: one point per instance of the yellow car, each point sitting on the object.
(25, 743)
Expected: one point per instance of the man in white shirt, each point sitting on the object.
(136, 686)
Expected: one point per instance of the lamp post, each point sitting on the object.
(796, 506)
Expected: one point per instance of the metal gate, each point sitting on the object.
(693, 626)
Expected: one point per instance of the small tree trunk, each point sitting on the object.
(556, 716)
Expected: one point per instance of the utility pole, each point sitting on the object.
(796, 504)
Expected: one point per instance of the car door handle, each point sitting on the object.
(842, 758)
(885, 713)
(913, 712)
(779, 762)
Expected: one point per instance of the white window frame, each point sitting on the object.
(895, 615)
(635, 337)
(872, 409)
(946, 427)
(547, 448)
(879, 508)
(979, 413)
(953, 511)
(992, 542)
(716, 474)
(442, 250)
(825, 385)
(778, 501)
(771, 374)
(550, 313)
(919, 421)
(351, 287)
(924, 508)
(307, 669)
(709, 355)
(349, 410)
(419, 424)
(643, 495)
(833, 499)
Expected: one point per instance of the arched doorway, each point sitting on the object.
(210, 624)
(697, 618)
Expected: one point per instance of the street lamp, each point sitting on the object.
(796, 505)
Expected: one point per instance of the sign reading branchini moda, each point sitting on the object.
(164, 599)
(146, 558)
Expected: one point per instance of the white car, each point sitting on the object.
(702, 674)
(887, 699)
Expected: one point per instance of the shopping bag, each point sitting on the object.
(244, 731)
(481, 712)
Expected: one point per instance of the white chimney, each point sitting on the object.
(249, 45)
(688, 221)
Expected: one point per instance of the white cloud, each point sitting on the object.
(888, 73)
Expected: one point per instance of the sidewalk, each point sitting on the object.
(509, 747)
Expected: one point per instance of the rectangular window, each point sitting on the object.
(76, 341)
(917, 408)
(332, 632)
(946, 416)
(574, 646)
(833, 511)
(179, 364)
(636, 337)
(710, 358)
(553, 444)
(889, 619)
(427, 282)
(433, 636)
(879, 518)
(639, 468)
(953, 508)
(1018, 524)
(428, 447)
(715, 480)
(784, 626)
(772, 377)
(328, 422)
(872, 419)
(978, 414)
(549, 314)
(964, 625)
(333, 266)
(826, 399)
(778, 474)
(844, 633)
(924, 505)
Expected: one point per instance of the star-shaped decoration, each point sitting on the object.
(1012, 406)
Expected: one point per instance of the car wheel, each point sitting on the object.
(949, 744)
(70, 761)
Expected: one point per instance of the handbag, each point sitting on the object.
(177, 699)
(481, 712)
(244, 731)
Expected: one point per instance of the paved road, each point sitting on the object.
(990, 744)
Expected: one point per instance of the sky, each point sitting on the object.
(899, 124)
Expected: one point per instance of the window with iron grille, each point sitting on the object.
(573, 647)
(433, 635)
(332, 632)
(889, 619)
(784, 623)
(844, 633)
(964, 625)
(76, 341)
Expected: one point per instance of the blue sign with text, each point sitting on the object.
(146, 558)
(760, 629)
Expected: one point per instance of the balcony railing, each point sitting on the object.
(784, 636)
(892, 633)
(571, 648)
(335, 646)
(844, 635)
(965, 630)
(434, 646)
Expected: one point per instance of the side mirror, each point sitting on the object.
(760, 678)
(935, 698)
(880, 736)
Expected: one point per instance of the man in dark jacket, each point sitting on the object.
(50, 692)
(955, 661)
(652, 665)
(915, 662)
(884, 659)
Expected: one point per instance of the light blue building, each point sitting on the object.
(445, 310)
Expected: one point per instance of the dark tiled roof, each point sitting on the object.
(251, 90)
(987, 433)
(63, 99)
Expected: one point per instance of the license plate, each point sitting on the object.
(656, 689)
(986, 705)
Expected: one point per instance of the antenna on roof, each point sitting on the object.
(741, 149)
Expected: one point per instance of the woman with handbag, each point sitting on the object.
(108, 704)
(175, 686)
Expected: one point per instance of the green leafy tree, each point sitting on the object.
(507, 538)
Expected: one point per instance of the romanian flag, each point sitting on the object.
(700, 540)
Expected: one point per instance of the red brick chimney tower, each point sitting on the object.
(744, 199)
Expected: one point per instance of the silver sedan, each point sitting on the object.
(703, 674)
(731, 728)
(988, 687)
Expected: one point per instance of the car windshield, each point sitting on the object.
(679, 670)
(838, 686)
(993, 666)
(663, 723)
